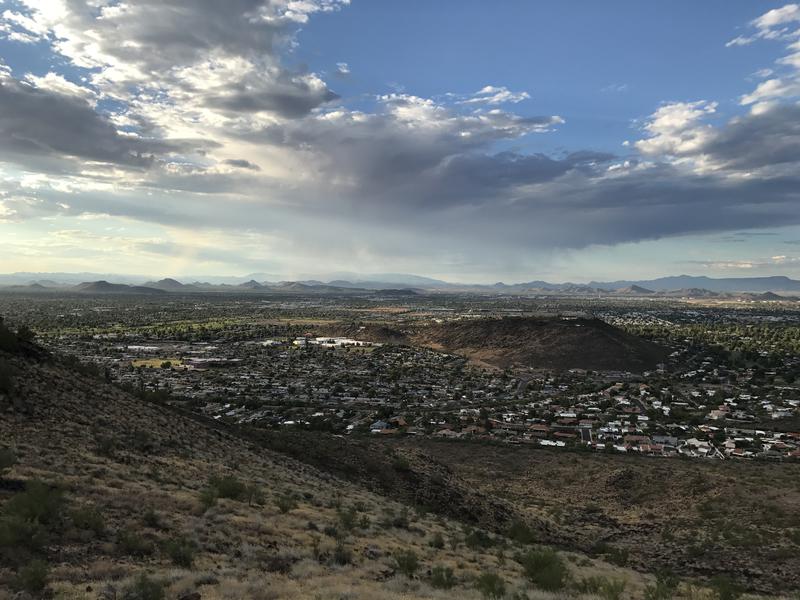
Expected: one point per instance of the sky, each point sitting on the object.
(566, 140)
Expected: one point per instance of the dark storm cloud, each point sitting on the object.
(287, 96)
(770, 137)
(37, 122)
(241, 163)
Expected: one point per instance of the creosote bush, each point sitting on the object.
(32, 578)
(228, 486)
(442, 578)
(545, 569)
(143, 588)
(131, 543)
(407, 562)
(491, 585)
(181, 551)
(89, 518)
(286, 502)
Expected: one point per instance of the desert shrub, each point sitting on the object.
(105, 445)
(407, 562)
(608, 589)
(20, 536)
(152, 519)
(181, 551)
(331, 531)
(520, 532)
(442, 578)
(342, 555)
(89, 518)
(617, 556)
(143, 588)
(39, 502)
(663, 589)
(437, 541)
(32, 578)
(141, 441)
(254, 494)
(208, 497)
(7, 458)
(392, 519)
(477, 539)
(725, 589)
(347, 518)
(545, 569)
(131, 543)
(491, 585)
(228, 486)
(286, 502)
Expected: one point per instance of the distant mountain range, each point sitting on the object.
(678, 286)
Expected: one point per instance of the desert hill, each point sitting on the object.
(104, 287)
(114, 496)
(545, 343)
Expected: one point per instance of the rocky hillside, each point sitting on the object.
(107, 496)
(544, 343)
(104, 495)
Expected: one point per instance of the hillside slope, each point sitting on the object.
(130, 489)
(544, 343)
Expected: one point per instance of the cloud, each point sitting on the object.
(241, 163)
(215, 132)
(779, 24)
(491, 95)
(47, 122)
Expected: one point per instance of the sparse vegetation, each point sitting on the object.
(545, 569)
(407, 562)
(491, 585)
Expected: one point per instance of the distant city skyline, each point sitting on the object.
(469, 142)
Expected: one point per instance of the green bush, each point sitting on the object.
(491, 585)
(254, 494)
(725, 589)
(286, 503)
(437, 541)
(39, 503)
(342, 555)
(663, 589)
(478, 539)
(17, 535)
(181, 551)
(347, 518)
(32, 578)
(442, 578)
(407, 562)
(152, 519)
(89, 518)
(520, 532)
(608, 589)
(208, 497)
(545, 569)
(229, 486)
(143, 588)
(131, 543)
